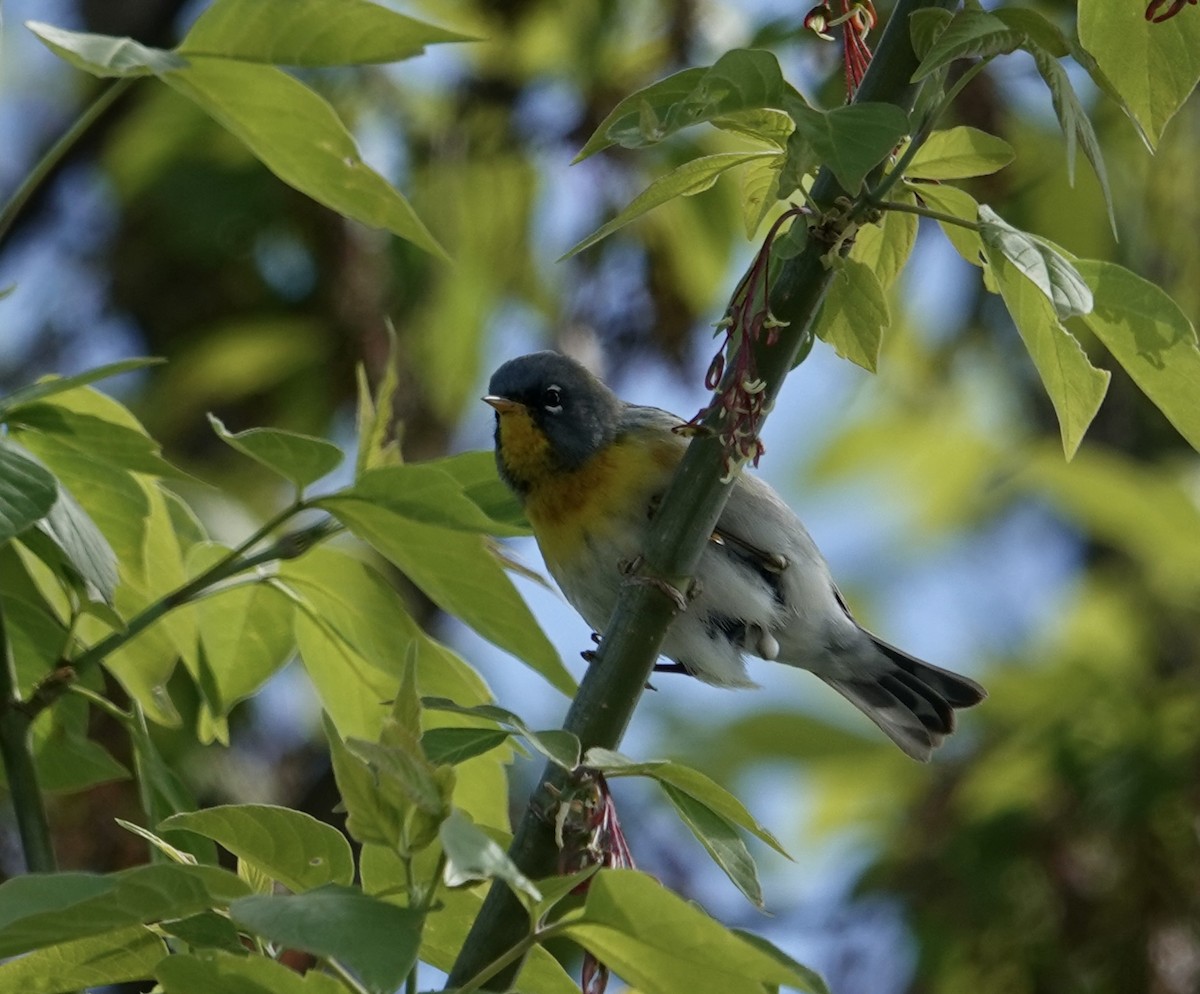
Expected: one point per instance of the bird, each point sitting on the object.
(589, 470)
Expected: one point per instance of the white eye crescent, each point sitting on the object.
(553, 398)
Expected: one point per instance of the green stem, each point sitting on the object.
(500, 963)
(46, 164)
(287, 547)
(922, 133)
(346, 977)
(16, 745)
(893, 205)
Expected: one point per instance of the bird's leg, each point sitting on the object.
(589, 655)
(629, 570)
(672, 668)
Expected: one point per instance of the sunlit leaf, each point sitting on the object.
(103, 55)
(310, 32)
(854, 313)
(459, 574)
(289, 846)
(419, 492)
(298, 136)
(1154, 67)
(1074, 385)
(123, 955)
(1150, 337)
(885, 247)
(661, 944)
(694, 176)
(959, 153)
(1038, 261)
(302, 459)
(956, 203)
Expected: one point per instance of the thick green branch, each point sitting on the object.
(29, 806)
(686, 518)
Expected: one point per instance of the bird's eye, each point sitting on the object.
(553, 399)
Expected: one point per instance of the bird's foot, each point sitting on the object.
(629, 570)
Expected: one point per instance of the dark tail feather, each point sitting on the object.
(912, 701)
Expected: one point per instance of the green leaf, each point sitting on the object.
(472, 854)
(854, 313)
(289, 846)
(302, 459)
(48, 386)
(371, 817)
(814, 982)
(207, 930)
(161, 845)
(218, 972)
(455, 745)
(660, 944)
(119, 444)
(27, 491)
(957, 203)
(1150, 337)
(1038, 29)
(924, 26)
(884, 247)
(763, 124)
(558, 746)
(959, 153)
(310, 32)
(760, 191)
(854, 139)
(375, 415)
(969, 34)
(741, 80)
(1073, 120)
(419, 492)
(82, 544)
(298, 136)
(721, 840)
(103, 55)
(246, 634)
(686, 779)
(1154, 67)
(1038, 261)
(97, 961)
(376, 940)
(1074, 385)
(476, 473)
(40, 909)
(461, 576)
(694, 176)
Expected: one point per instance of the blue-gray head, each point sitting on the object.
(552, 415)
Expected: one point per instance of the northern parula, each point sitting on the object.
(589, 470)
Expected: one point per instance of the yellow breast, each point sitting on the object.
(610, 491)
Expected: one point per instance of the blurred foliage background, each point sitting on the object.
(1055, 846)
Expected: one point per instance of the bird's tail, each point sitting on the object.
(912, 701)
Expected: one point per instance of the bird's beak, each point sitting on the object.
(502, 404)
